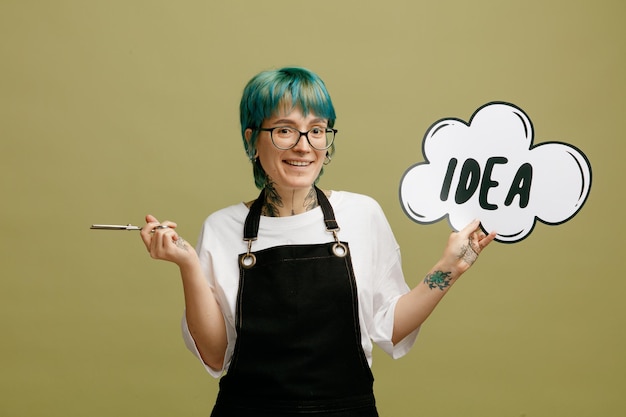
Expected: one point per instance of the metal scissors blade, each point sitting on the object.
(114, 227)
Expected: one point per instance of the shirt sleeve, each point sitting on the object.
(190, 343)
(389, 285)
(386, 296)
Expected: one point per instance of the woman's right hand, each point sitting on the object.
(162, 242)
(203, 316)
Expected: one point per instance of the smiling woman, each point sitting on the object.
(282, 91)
(290, 172)
(286, 294)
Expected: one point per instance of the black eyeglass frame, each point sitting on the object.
(305, 134)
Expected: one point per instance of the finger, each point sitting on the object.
(154, 227)
(151, 223)
(167, 238)
(154, 235)
(162, 235)
(158, 244)
(146, 231)
(470, 228)
(487, 240)
(169, 224)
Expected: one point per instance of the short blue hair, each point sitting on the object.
(285, 88)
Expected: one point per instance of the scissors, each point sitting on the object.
(114, 227)
(121, 227)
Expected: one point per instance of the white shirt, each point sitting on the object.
(373, 248)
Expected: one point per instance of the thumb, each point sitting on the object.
(470, 227)
(150, 218)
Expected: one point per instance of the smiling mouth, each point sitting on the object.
(298, 163)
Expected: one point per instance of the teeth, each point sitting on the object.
(298, 163)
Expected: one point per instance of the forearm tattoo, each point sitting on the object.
(438, 279)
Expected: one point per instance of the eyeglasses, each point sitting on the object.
(284, 137)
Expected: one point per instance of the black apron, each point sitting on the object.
(298, 350)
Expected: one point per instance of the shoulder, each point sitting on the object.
(346, 200)
(234, 210)
(226, 217)
(358, 210)
(227, 224)
(364, 225)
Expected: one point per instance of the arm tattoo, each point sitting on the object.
(180, 242)
(438, 279)
(468, 253)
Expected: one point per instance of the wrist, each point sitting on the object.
(442, 276)
(189, 263)
(447, 266)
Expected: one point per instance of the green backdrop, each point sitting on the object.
(113, 109)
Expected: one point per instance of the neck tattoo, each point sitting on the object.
(274, 202)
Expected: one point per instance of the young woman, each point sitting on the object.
(286, 294)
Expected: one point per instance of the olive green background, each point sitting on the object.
(113, 109)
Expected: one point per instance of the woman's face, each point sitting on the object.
(296, 168)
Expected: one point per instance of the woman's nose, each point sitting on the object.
(303, 144)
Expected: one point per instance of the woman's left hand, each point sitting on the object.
(460, 253)
(465, 245)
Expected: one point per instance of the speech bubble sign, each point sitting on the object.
(489, 169)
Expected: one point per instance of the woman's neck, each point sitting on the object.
(288, 202)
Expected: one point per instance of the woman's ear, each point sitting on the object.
(248, 135)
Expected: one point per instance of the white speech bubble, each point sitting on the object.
(489, 169)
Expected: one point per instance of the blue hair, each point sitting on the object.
(285, 88)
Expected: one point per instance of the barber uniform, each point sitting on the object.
(298, 350)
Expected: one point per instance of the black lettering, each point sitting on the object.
(488, 183)
(468, 183)
(521, 186)
(445, 189)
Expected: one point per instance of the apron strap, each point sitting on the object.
(327, 209)
(251, 226)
